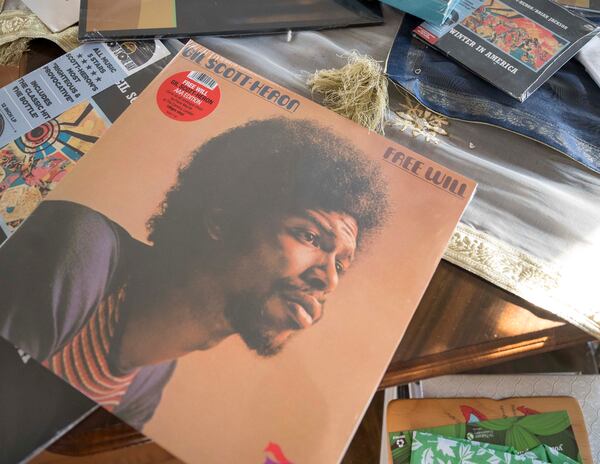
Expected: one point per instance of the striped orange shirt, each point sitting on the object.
(83, 361)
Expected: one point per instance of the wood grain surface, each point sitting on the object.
(463, 322)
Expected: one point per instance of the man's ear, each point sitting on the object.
(214, 222)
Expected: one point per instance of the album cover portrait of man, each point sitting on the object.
(262, 223)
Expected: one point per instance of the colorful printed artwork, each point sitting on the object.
(472, 415)
(275, 455)
(518, 433)
(515, 34)
(429, 448)
(33, 164)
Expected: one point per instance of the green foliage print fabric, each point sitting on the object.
(428, 448)
(555, 457)
(523, 434)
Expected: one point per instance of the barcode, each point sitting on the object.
(203, 79)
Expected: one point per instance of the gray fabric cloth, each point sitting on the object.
(530, 196)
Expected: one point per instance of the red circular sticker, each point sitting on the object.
(188, 96)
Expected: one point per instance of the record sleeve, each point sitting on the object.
(34, 158)
(131, 19)
(231, 267)
(37, 407)
(45, 93)
(516, 45)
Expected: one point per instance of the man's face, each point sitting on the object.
(279, 285)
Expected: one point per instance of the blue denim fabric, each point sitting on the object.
(564, 113)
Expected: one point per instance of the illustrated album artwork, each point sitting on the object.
(36, 406)
(36, 160)
(513, 44)
(129, 19)
(237, 280)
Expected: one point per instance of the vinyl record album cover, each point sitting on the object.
(33, 163)
(515, 45)
(127, 19)
(231, 267)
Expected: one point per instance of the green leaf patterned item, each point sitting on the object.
(521, 433)
(429, 448)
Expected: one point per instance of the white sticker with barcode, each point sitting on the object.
(203, 79)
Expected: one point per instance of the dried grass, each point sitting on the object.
(357, 91)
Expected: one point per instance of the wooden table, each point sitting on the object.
(463, 322)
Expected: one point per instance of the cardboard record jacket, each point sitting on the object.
(238, 279)
(105, 19)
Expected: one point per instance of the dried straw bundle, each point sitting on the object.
(357, 91)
